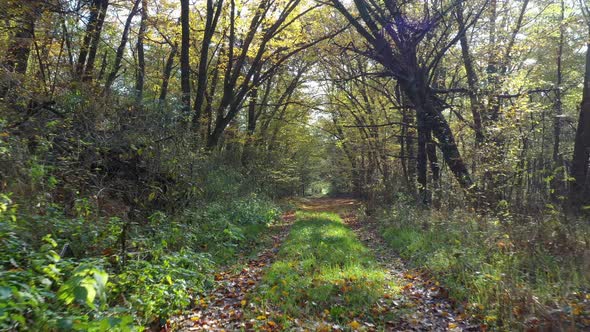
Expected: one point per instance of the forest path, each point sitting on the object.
(422, 301)
(223, 309)
(421, 304)
(405, 300)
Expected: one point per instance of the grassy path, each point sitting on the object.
(225, 308)
(331, 273)
(325, 279)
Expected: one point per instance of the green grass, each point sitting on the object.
(322, 268)
(501, 281)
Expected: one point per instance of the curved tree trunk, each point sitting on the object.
(121, 49)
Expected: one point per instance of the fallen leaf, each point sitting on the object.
(354, 325)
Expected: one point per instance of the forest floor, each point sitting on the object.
(324, 270)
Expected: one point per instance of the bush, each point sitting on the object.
(166, 264)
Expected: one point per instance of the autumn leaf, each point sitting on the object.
(354, 325)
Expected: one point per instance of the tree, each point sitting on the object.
(245, 54)
(86, 58)
(140, 77)
(393, 38)
(184, 55)
(580, 188)
(17, 57)
(213, 12)
(121, 48)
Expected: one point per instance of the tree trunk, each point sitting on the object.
(140, 77)
(580, 188)
(184, 56)
(557, 181)
(410, 155)
(434, 171)
(103, 66)
(90, 28)
(250, 128)
(210, 25)
(492, 70)
(472, 80)
(19, 48)
(121, 49)
(167, 73)
(88, 71)
(421, 159)
(427, 103)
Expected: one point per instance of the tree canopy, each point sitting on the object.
(125, 118)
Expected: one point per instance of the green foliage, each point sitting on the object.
(168, 263)
(41, 291)
(485, 265)
(223, 229)
(156, 288)
(85, 284)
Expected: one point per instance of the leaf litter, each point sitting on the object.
(423, 303)
(420, 304)
(223, 309)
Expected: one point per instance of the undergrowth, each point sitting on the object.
(508, 274)
(91, 273)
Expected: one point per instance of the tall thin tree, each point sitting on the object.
(185, 83)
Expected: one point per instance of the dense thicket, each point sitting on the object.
(140, 133)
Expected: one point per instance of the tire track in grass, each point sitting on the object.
(338, 275)
(423, 301)
(223, 309)
(332, 273)
(325, 279)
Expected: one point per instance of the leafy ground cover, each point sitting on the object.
(499, 279)
(90, 273)
(331, 273)
(224, 308)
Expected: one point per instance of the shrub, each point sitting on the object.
(167, 263)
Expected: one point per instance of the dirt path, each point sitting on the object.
(423, 301)
(223, 309)
(421, 305)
